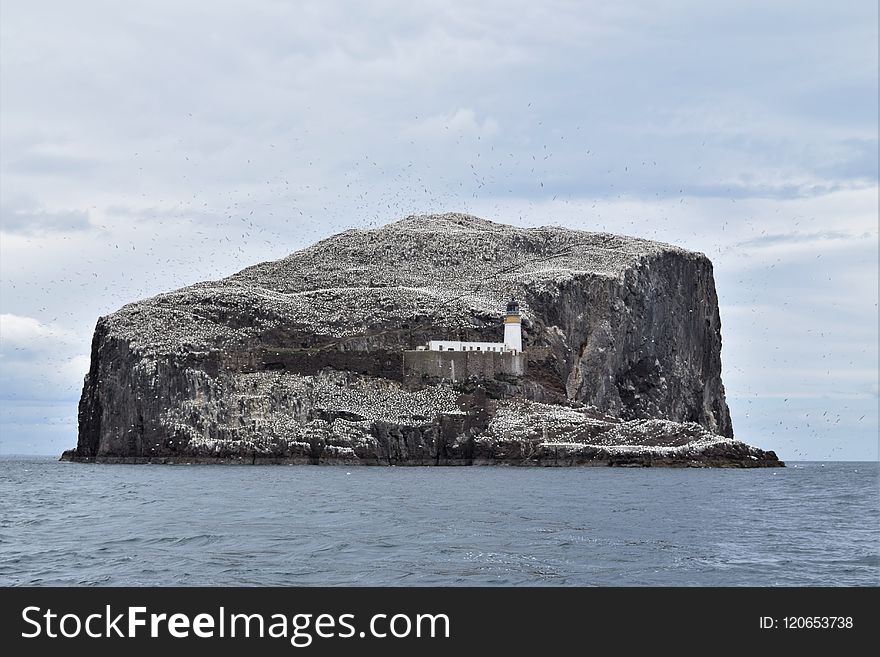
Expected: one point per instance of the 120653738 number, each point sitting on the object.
(817, 622)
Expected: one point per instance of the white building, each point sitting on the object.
(512, 337)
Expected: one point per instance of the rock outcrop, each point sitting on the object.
(300, 359)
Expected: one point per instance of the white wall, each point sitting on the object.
(513, 335)
(455, 345)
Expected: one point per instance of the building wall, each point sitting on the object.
(455, 345)
(460, 365)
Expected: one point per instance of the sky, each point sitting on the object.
(145, 146)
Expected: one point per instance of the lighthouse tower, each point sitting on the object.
(513, 328)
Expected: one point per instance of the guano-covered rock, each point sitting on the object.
(300, 360)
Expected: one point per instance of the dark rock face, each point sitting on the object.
(300, 360)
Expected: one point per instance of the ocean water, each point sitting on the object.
(68, 524)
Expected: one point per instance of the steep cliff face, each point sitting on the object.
(301, 358)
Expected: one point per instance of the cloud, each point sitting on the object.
(33, 220)
(461, 122)
(39, 361)
(18, 332)
(798, 238)
(48, 164)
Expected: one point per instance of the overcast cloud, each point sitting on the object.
(149, 145)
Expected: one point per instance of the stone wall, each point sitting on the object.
(461, 365)
(384, 363)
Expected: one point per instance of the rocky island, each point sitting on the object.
(304, 359)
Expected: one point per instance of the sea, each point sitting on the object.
(810, 524)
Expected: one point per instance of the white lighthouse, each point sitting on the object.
(512, 338)
(513, 328)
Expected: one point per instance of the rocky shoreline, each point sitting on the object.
(769, 460)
